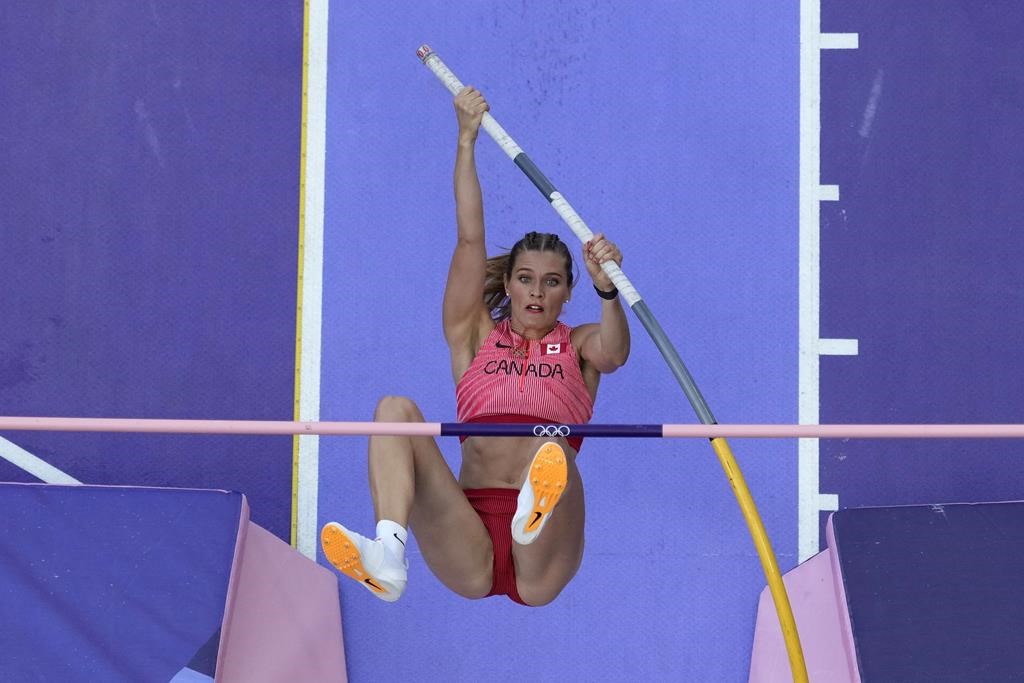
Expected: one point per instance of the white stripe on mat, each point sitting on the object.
(37, 467)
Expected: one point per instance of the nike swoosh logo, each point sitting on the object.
(398, 539)
(374, 586)
(502, 346)
(535, 519)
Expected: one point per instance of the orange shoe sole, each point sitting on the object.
(342, 552)
(549, 474)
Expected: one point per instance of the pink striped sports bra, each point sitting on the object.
(513, 376)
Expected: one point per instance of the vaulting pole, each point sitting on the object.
(675, 363)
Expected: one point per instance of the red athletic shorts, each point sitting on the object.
(496, 508)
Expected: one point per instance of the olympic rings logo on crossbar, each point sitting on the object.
(551, 430)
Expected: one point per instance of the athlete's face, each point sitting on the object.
(538, 288)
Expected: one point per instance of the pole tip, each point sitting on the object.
(423, 52)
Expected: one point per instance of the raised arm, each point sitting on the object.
(463, 311)
(605, 345)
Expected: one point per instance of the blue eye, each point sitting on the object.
(524, 278)
(552, 283)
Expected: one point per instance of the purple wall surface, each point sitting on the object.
(148, 236)
(673, 127)
(921, 257)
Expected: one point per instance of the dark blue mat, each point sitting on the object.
(934, 592)
(112, 584)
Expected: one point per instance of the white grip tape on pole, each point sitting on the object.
(488, 123)
(580, 229)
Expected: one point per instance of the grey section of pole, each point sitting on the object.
(675, 363)
(527, 166)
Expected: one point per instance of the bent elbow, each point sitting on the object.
(614, 361)
(621, 355)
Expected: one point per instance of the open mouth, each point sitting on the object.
(534, 308)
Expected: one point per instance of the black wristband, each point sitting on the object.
(607, 295)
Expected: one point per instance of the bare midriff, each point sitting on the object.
(498, 461)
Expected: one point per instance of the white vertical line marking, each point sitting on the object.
(810, 501)
(809, 274)
(37, 467)
(312, 284)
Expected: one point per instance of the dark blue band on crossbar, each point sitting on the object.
(514, 429)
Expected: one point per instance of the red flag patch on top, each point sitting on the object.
(551, 348)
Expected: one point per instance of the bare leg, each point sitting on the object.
(546, 566)
(412, 484)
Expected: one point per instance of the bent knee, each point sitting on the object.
(538, 595)
(542, 589)
(476, 588)
(472, 585)
(397, 409)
